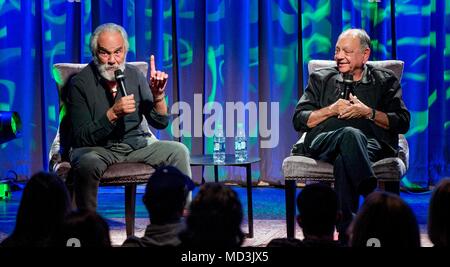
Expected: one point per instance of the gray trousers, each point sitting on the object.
(89, 164)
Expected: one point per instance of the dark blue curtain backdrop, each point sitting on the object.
(227, 51)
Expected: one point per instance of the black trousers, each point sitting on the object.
(351, 154)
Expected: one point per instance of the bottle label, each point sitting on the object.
(243, 145)
(216, 147)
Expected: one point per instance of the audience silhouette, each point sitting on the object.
(165, 198)
(84, 228)
(318, 216)
(44, 205)
(384, 220)
(439, 215)
(45, 219)
(215, 219)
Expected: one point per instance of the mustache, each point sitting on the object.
(109, 67)
(106, 70)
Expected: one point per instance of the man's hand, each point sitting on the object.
(158, 80)
(339, 106)
(356, 109)
(125, 105)
(322, 114)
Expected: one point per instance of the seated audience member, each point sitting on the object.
(285, 243)
(318, 216)
(439, 215)
(165, 198)
(386, 219)
(45, 203)
(214, 220)
(88, 227)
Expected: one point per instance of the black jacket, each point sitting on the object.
(88, 101)
(379, 89)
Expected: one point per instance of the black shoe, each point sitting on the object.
(367, 186)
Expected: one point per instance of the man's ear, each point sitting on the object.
(366, 55)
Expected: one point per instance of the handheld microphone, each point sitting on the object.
(348, 86)
(120, 78)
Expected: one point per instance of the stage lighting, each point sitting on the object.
(5, 191)
(10, 126)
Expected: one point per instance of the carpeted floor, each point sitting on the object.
(268, 205)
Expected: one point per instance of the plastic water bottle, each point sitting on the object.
(219, 145)
(240, 144)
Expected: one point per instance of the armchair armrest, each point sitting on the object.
(403, 150)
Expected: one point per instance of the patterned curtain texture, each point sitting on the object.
(228, 60)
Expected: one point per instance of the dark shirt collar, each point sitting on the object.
(365, 76)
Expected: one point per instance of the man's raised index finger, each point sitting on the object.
(152, 65)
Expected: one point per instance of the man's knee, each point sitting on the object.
(89, 163)
(352, 134)
(180, 151)
(179, 157)
(352, 139)
(351, 131)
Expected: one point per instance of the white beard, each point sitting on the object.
(107, 71)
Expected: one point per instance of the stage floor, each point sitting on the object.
(268, 208)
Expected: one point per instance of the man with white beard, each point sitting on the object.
(106, 124)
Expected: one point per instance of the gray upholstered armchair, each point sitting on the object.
(125, 174)
(389, 171)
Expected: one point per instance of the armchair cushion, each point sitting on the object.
(306, 168)
(127, 172)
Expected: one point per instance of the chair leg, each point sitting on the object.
(392, 186)
(290, 186)
(130, 207)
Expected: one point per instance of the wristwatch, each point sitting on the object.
(372, 118)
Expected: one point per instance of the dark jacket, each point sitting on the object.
(379, 89)
(157, 236)
(88, 101)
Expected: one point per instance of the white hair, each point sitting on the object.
(107, 27)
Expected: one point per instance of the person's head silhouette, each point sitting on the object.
(439, 215)
(166, 193)
(384, 220)
(215, 218)
(318, 211)
(45, 203)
